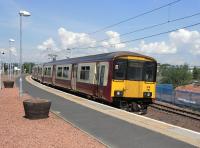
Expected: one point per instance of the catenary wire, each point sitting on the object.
(153, 26)
(145, 37)
(134, 17)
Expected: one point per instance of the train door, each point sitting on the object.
(74, 76)
(54, 72)
(100, 79)
(133, 84)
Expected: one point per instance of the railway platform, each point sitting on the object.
(113, 127)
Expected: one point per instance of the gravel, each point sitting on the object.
(174, 119)
(53, 132)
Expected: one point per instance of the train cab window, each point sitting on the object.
(85, 71)
(65, 72)
(59, 72)
(120, 69)
(150, 72)
(135, 70)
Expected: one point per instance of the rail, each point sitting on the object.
(176, 110)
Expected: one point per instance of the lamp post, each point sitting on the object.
(10, 63)
(21, 14)
(1, 70)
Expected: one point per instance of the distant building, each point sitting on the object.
(192, 67)
(195, 87)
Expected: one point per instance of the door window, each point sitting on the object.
(102, 75)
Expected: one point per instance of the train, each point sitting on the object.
(125, 79)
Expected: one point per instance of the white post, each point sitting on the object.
(20, 59)
(0, 75)
(21, 13)
(10, 63)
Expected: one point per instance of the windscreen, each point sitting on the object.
(150, 71)
(135, 70)
(120, 67)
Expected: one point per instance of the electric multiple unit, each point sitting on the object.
(126, 79)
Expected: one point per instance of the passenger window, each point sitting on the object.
(49, 71)
(85, 72)
(65, 72)
(45, 71)
(59, 72)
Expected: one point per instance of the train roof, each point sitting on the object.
(98, 57)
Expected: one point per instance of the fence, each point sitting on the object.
(166, 93)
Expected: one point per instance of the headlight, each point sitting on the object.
(147, 94)
(118, 93)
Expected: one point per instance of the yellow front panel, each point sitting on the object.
(133, 89)
(149, 87)
(117, 85)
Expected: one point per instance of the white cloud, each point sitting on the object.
(179, 41)
(114, 40)
(72, 39)
(186, 40)
(6, 51)
(155, 48)
(69, 39)
(182, 46)
(49, 44)
(2, 50)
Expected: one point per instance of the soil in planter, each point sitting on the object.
(8, 84)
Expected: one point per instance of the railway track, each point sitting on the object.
(176, 110)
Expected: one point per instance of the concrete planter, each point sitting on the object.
(36, 108)
(8, 84)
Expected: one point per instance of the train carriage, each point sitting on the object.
(125, 78)
(37, 72)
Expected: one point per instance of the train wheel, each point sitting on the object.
(134, 107)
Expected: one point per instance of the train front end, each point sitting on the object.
(134, 82)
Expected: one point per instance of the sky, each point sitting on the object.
(55, 26)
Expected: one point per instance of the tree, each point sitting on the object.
(196, 73)
(27, 67)
(176, 75)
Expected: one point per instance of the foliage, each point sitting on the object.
(196, 73)
(176, 75)
(27, 67)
